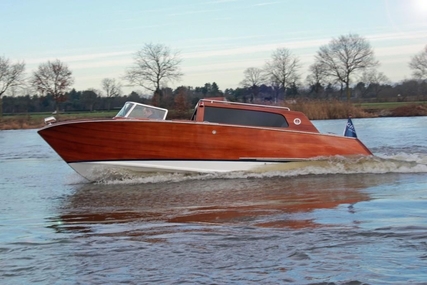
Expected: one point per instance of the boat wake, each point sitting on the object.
(378, 164)
(400, 163)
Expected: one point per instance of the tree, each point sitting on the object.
(407, 89)
(316, 78)
(360, 90)
(134, 96)
(330, 90)
(253, 78)
(180, 101)
(292, 90)
(210, 90)
(112, 89)
(276, 86)
(11, 75)
(344, 57)
(419, 65)
(215, 90)
(154, 64)
(375, 80)
(53, 78)
(89, 98)
(283, 68)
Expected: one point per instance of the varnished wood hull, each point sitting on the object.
(123, 142)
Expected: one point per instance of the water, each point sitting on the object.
(360, 221)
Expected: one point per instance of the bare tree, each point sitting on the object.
(344, 57)
(316, 78)
(276, 86)
(154, 64)
(419, 65)
(11, 76)
(112, 89)
(373, 76)
(374, 80)
(253, 78)
(53, 78)
(283, 68)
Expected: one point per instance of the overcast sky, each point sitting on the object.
(217, 39)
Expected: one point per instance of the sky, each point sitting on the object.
(216, 39)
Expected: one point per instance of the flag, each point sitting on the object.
(350, 131)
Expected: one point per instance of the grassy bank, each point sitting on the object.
(36, 120)
(388, 105)
(315, 110)
(323, 110)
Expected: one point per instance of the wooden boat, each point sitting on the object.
(221, 136)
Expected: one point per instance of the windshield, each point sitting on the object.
(125, 109)
(144, 111)
(137, 110)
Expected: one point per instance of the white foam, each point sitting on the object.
(420, 158)
(139, 178)
(379, 164)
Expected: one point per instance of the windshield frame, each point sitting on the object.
(137, 111)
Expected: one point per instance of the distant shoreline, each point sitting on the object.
(311, 110)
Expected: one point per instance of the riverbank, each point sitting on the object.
(324, 110)
(36, 120)
(314, 110)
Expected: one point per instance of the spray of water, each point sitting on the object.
(378, 164)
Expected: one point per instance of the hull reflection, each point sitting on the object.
(267, 202)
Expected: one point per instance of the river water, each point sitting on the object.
(343, 221)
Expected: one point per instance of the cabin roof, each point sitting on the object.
(237, 104)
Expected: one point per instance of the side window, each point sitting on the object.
(244, 117)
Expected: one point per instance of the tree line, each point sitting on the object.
(344, 69)
(184, 98)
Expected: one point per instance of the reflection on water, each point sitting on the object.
(272, 202)
(297, 230)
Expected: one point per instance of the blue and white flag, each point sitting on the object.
(350, 131)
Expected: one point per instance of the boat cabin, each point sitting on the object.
(141, 111)
(234, 113)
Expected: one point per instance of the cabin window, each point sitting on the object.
(244, 117)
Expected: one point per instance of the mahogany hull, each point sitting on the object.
(117, 140)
